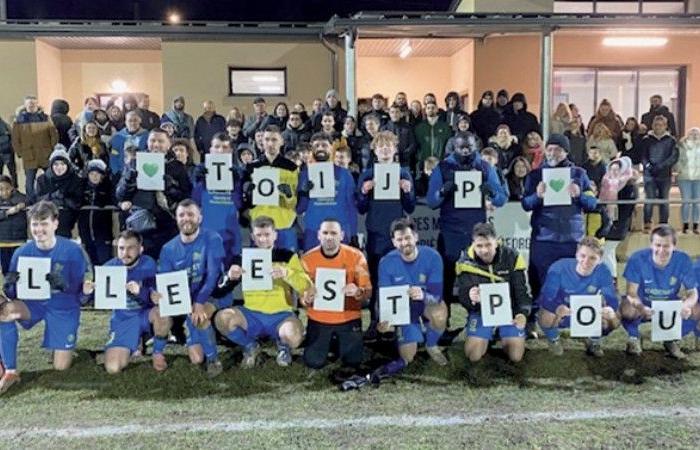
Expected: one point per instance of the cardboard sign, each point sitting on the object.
(386, 181)
(32, 283)
(110, 287)
(468, 193)
(496, 306)
(219, 175)
(557, 181)
(257, 268)
(329, 290)
(586, 315)
(394, 306)
(666, 321)
(175, 289)
(150, 169)
(322, 175)
(266, 180)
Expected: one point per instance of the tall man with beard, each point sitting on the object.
(340, 207)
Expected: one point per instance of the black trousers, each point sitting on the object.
(318, 342)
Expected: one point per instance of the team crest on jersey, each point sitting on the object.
(422, 278)
(591, 289)
(673, 281)
(196, 256)
(58, 267)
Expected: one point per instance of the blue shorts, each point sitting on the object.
(411, 333)
(475, 328)
(687, 325)
(61, 325)
(126, 328)
(222, 303)
(262, 324)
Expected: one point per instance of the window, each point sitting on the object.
(252, 81)
(628, 89)
(621, 6)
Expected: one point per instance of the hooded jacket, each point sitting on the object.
(648, 118)
(293, 136)
(688, 166)
(508, 152)
(339, 114)
(485, 120)
(558, 223)
(521, 122)
(95, 221)
(66, 191)
(184, 123)
(33, 138)
(659, 155)
(61, 120)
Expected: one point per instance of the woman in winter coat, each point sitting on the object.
(561, 119)
(95, 218)
(533, 149)
(279, 117)
(517, 172)
(630, 137)
(603, 140)
(608, 117)
(61, 185)
(87, 147)
(116, 117)
(104, 125)
(506, 144)
(688, 168)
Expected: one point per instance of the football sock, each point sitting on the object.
(8, 344)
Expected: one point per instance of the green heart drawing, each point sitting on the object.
(557, 184)
(150, 169)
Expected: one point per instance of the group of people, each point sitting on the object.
(186, 226)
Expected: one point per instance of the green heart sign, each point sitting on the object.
(557, 184)
(150, 169)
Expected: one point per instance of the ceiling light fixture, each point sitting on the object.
(406, 50)
(635, 41)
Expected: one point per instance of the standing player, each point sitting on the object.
(488, 262)
(126, 326)
(382, 212)
(660, 272)
(284, 213)
(70, 267)
(420, 267)
(345, 325)
(201, 253)
(266, 313)
(583, 275)
(341, 206)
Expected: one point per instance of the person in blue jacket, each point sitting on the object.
(70, 267)
(556, 230)
(201, 253)
(341, 207)
(456, 224)
(381, 213)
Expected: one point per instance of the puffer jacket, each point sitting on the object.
(61, 120)
(558, 223)
(33, 138)
(659, 155)
(66, 192)
(688, 166)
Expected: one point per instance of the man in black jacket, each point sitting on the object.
(659, 154)
(657, 108)
(487, 261)
(333, 105)
(407, 139)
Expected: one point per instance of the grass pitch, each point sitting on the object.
(572, 401)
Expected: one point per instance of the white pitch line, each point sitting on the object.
(361, 422)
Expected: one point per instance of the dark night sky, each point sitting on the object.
(232, 10)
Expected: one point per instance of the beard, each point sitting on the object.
(321, 156)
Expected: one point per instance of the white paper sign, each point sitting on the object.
(110, 287)
(322, 175)
(32, 283)
(394, 306)
(266, 180)
(257, 268)
(386, 181)
(557, 190)
(329, 290)
(666, 322)
(586, 315)
(150, 169)
(496, 306)
(175, 290)
(219, 175)
(468, 193)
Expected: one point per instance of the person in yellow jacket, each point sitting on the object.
(270, 312)
(283, 214)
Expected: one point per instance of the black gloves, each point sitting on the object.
(448, 188)
(285, 189)
(56, 281)
(306, 187)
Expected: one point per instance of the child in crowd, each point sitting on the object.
(594, 166)
(424, 177)
(490, 155)
(95, 219)
(13, 221)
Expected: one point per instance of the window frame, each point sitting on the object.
(233, 68)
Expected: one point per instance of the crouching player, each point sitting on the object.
(126, 326)
(201, 253)
(421, 268)
(61, 312)
(488, 262)
(659, 273)
(266, 313)
(583, 275)
(345, 325)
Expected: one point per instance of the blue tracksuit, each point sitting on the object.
(341, 207)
